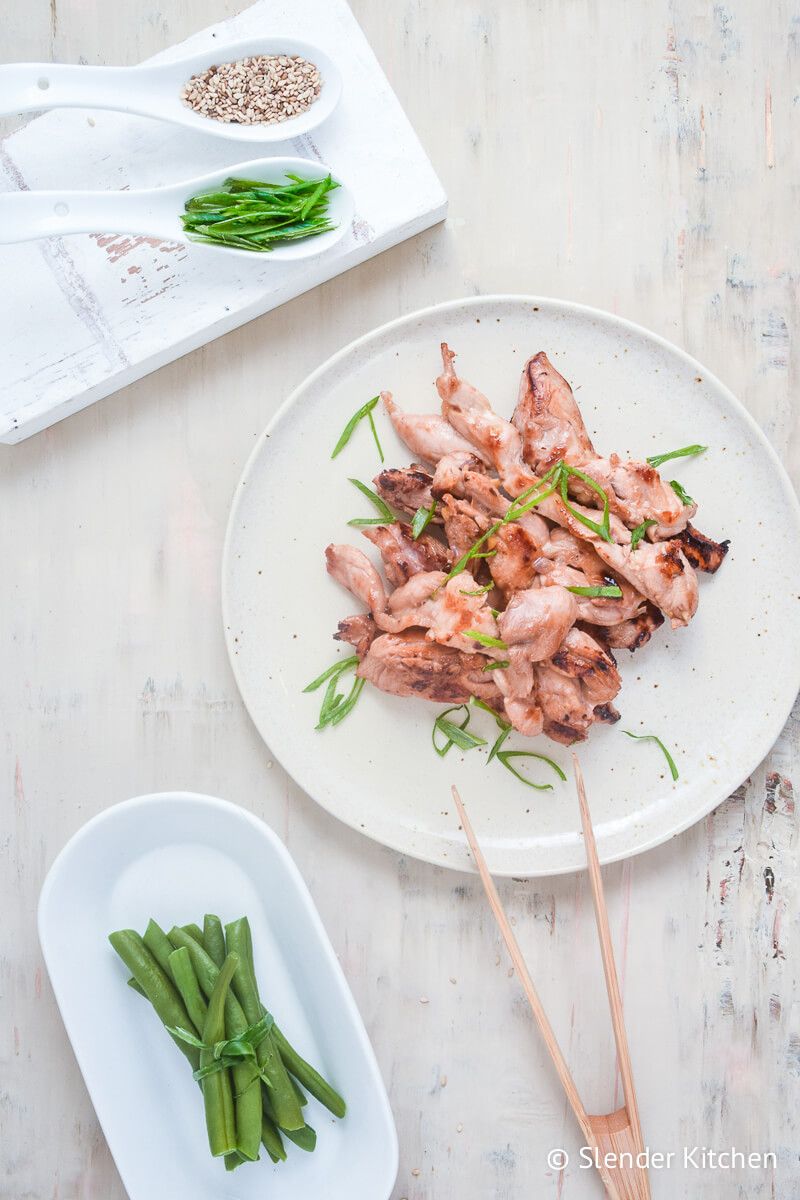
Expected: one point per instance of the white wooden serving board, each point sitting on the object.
(83, 316)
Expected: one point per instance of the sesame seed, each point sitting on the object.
(259, 90)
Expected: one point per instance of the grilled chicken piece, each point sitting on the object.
(536, 621)
(403, 556)
(552, 428)
(453, 390)
(637, 493)
(427, 435)
(567, 714)
(568, 560)
(581, 657)
(701, 551)
(359, 631)
(548, 417)
(352, 569)
(525, 715)
(469, 412)
(513, 565)
(635, 633)
(660, 572)
(463, 524)
(451, 471)
(443, 607)
(407, 488)
(407, 664)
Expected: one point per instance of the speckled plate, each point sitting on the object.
(718, 692)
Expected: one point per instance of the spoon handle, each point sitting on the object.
(28, 87)
(25, 216)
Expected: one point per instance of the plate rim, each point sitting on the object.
(228, 809)
(430, 855)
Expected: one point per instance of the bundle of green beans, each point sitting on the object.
(256, 216)
(202, 985)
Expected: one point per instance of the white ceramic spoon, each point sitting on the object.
(154, 89)
(155, 212)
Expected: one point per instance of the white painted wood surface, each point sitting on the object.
(637, 157)
(90, 314)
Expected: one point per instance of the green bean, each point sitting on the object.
(182, 971)
(233, 1160)
(158, 944)
(135, 987)
(288, 1114)
(245, 1078)
(272, 1140)
(213, 938)
(302, 1098)
(194, 931)
(217, 1094)
(311, 1080)
(305, 1138)
(156, 985)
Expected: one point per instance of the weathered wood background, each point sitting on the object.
(642, 158)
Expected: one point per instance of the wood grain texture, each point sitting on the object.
(637, 157)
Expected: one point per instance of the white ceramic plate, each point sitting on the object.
(175, 856)
(718, 692)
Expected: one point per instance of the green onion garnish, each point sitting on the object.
(495, 750)
(682, 495)
(250, 216)
(651, 737)
(638, 533)
(505, 755)
(481, 591)
(456, 735)
(485, 639)
(347, 432)
(500, 665)
(387, 517)
(422, 519)
(609, 590)
(336, 706)
(340, 665)
(501, 722)
(655, 460)
(602, 529)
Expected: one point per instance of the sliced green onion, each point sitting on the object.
(477, 591)
(347, 432)
(610, 590)
(651, 737)
(387, 517)
(497, 666)
(495, 750)
(456, 735)
(680, 492)
(505, 755)
(346, 706)
(422, 519)
(602, 529)
(638, 533)
(473, 552)
(501, 722)
(371, 420)
(335, 706)
(485, 639)
(336, 669)
(655, 460)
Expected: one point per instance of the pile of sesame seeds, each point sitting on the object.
(262, 89)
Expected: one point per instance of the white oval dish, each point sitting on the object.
(718, 692)
(154, 89)
(175, 856)
(156, 212)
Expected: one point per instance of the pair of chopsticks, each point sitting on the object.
(611, 1134)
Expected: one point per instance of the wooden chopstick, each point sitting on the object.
(609, 967)
(540, 1016)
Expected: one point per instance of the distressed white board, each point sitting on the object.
(88, 314)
